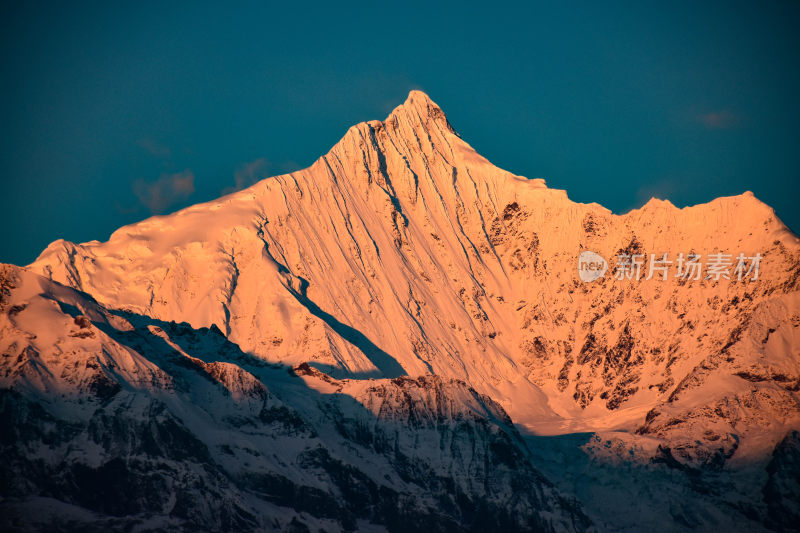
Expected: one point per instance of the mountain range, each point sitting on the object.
(398, 338)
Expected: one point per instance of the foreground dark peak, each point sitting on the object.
(160, 426)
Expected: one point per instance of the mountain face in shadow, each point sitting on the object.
(122, 421)
(404, 284)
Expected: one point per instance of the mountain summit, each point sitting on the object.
(403, 254)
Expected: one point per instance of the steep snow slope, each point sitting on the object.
(404, 252)
(114, 420)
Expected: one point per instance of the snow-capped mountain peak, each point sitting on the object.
(403, 254)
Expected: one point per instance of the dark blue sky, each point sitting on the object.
(108, 114)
